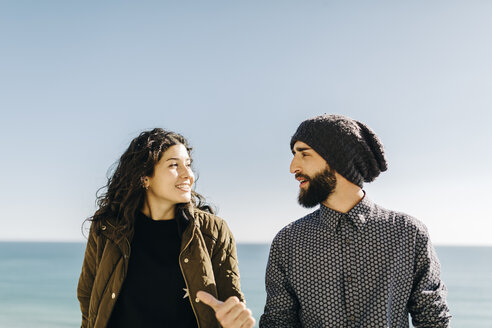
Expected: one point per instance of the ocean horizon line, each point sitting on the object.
(51, 241)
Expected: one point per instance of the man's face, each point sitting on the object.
(316, 180)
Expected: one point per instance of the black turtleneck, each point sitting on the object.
(154, 292)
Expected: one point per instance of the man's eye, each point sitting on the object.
(173, 165)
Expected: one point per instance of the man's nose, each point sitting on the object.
(294, 167)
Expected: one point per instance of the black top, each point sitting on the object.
(154, 292)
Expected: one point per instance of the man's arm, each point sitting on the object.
(282, 306)
(427, 303)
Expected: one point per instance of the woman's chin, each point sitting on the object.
(185, 199)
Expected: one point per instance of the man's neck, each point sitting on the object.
(344, 199)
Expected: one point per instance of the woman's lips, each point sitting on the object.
(184, 187)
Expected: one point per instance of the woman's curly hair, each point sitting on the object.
(125, 194)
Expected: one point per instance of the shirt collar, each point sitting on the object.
(358, 215)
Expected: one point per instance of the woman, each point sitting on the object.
(153, 244)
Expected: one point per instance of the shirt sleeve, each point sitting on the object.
(86, 280)
(427, 303)
(282, 306)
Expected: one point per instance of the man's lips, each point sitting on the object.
(302, 180)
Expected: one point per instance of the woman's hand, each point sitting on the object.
(231, 314)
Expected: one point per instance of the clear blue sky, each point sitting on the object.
(79, 80)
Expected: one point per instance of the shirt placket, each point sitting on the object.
(347, 233)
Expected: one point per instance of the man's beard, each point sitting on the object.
(320, 187)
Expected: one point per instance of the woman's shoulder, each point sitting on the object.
(206, 218)
(210, 223)
(106, 228)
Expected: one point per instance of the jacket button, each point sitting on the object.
(103, 227)
(186, 260)
(113, 296)
(197, 300)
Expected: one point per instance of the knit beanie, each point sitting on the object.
(349, 147)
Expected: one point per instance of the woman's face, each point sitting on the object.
(172, 179)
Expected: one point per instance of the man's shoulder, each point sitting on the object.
(304, 221)
(298, 225)
(394, 217)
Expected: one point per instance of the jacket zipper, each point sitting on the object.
(184, 277)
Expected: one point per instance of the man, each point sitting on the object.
(351, 263)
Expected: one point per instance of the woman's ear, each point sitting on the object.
(145, 182)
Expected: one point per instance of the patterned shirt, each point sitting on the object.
(369, 267)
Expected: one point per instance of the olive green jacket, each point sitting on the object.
(207, 259)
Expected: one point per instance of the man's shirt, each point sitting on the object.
(369, 267)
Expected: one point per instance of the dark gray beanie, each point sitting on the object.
(348, 146)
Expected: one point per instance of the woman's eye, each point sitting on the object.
(173, 165)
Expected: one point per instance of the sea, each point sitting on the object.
(38, 283)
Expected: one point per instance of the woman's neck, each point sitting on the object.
(158, 212)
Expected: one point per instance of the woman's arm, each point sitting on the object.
(230, 309)
(87, 275)
(225, 266)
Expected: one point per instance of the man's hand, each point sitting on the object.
(231, 314)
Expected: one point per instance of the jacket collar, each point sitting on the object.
(109, 230)
(358, 215)
(185, 220)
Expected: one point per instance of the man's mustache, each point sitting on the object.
(305, 177)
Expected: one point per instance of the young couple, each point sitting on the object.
(157, 256)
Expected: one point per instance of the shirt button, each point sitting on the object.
(186, 260)
(352, 318)
(113, 296)
(348, 241)
(349, 279)
(103, 227)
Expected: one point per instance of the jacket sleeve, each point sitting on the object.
(225, 265)
(282, 306)
(427, 303)
(87, 275)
